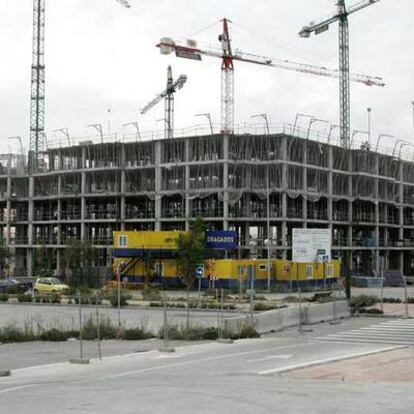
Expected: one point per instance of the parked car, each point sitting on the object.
(49, 285)
(11, 285)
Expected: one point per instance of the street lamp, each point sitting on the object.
(18, 138)
(208, 116)
(98, 127)
(264, 116)
(313, 121)
(356, 132)
(331, 128)
(296, 121)
(399, 141)
(65, 132)
(369, 126)
(135, 124)
(382, 136)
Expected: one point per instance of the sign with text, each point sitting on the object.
(221, 239)
(311, 245)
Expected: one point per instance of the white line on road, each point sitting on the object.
(195, 361)
(21, 387)
(271, 357)
(327, 360)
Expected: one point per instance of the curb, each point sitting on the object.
(330, 360)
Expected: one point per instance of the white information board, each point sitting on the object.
(311, 245)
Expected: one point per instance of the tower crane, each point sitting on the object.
(188, 49)
(37, 96)
(341, 15)
(168, 94)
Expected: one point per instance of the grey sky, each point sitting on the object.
(100, 55)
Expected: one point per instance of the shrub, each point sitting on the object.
(11, 333)
(247, 331)
(135, 334)
(57, 335)
(24, 297)
(391, 300)
(362, 301)
(113, 297)
(371, 311)
(151, 295)
(4, 297)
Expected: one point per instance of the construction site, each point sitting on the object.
(261, 186)
(261, 183)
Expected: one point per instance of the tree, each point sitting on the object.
(78, 258)
(42, 263)
(4, 256)
(191, 251)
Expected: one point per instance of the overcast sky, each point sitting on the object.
(101, 56)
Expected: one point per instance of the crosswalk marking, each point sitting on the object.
(396, 332)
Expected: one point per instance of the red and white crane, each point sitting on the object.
(188, 49)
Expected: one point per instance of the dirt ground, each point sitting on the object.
(392, 366)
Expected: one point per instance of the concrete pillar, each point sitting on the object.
(158, 185)
(305, 185)
(30, 228)
(187, 201)
(226, 181)
(122, 188)
(330, 188)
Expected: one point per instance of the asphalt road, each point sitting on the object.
(243, 377)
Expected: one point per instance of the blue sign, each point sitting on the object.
(200, 271)
(221, 239)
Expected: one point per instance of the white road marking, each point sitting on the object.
(21, 387)
(195, 361)
(271, 357)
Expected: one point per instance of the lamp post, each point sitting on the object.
(331, 128)
(208, 116)
(354, 133)
(313, 121)
(264, 116)
(98, 127)
(65, 132)
(296, 121)
(398, 142)
(135, 124)
(18, 138)
(369, 126)
(379, 139)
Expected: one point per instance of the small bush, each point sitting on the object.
(391, 300)
(24, 298)
(56, 335)
(363, 301)
(136, 334)
(4, 297)
(113, 297)
(11, 333)
(247, 331)
(151, 295)
(371, 311)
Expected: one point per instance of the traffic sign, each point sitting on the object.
(200, 271)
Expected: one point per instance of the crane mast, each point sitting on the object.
(227, 81)
(344, 76)
(168, 94)
(37, 143)
(37, 96)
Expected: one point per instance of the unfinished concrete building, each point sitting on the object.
(262, 186)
